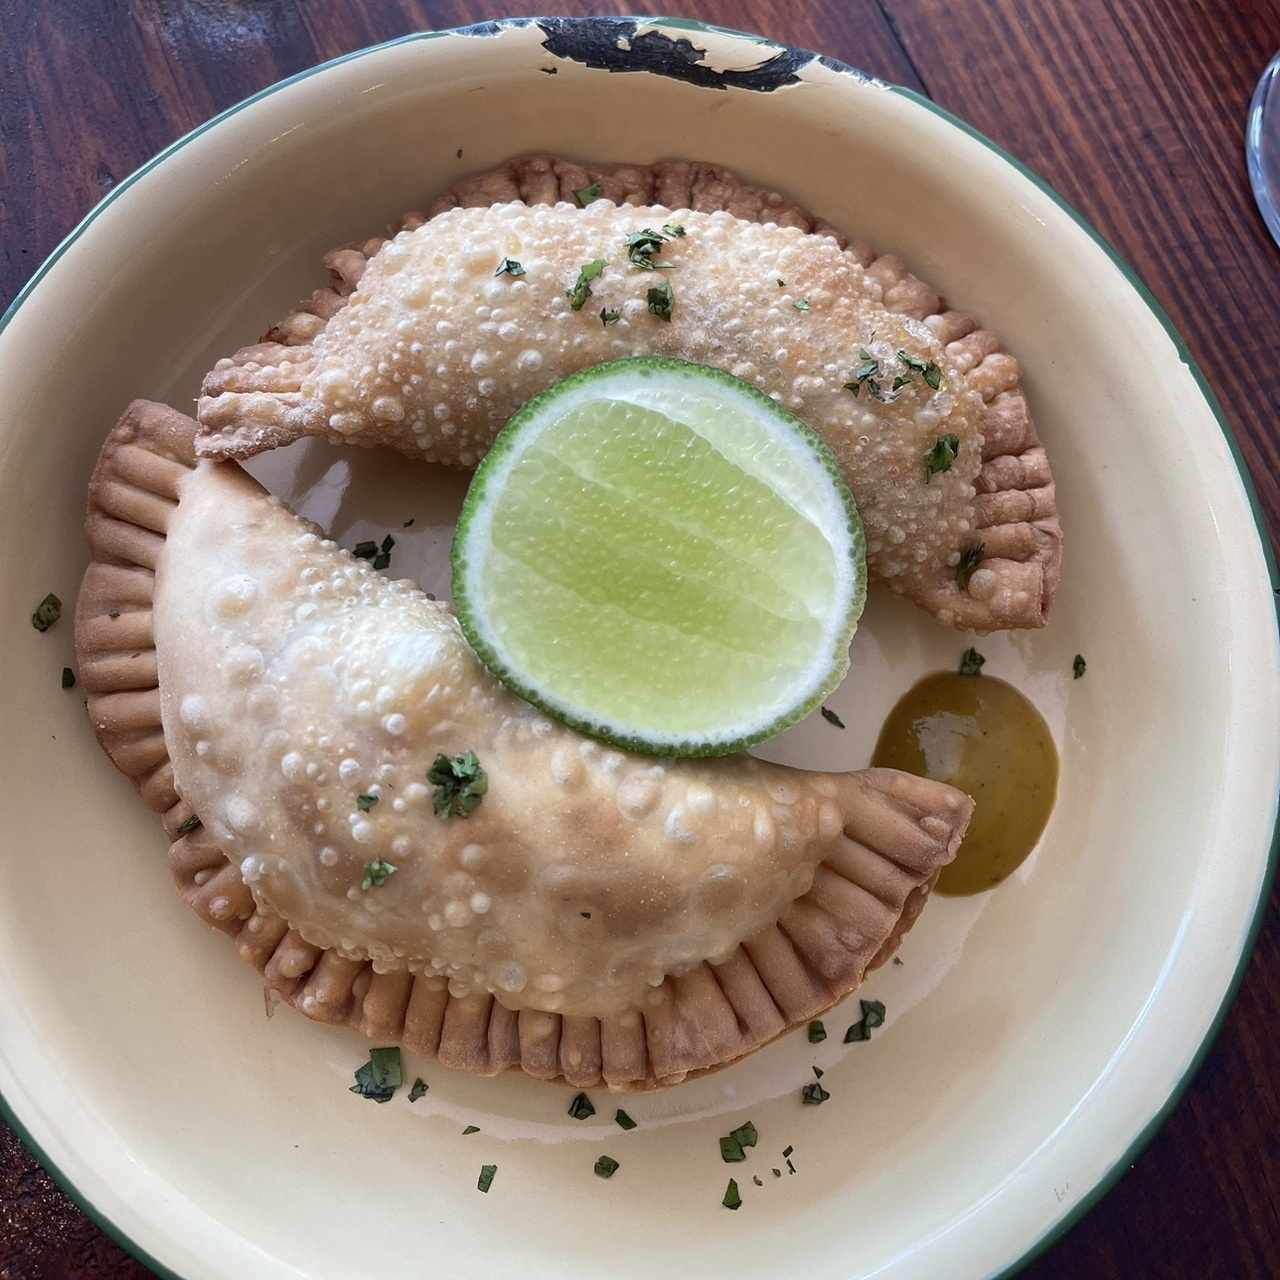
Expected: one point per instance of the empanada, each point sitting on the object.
(636, 920)
(435, 351)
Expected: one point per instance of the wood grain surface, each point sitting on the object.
(1133, 110)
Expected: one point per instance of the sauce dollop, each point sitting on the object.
(983, 736)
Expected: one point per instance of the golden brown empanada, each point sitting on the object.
(436, 375)
(716, 944)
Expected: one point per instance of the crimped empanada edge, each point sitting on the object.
(700, 1021)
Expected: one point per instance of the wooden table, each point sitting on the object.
(1133, 110)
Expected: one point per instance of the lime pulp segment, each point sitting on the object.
(658, 554)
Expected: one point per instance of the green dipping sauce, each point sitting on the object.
(984, 737)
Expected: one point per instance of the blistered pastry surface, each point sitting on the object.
(296, 679)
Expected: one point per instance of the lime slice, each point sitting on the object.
(657, 554)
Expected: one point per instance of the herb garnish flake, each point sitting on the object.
(47, 612)
(581, 1107)
(380, 1077)
(460, 784)
(939, 459)
(581, 290)
(376, 874)
(660, 301)
(971, 662)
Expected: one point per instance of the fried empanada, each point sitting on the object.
(435, 352)
(636, 920)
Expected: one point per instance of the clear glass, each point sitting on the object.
(1262, 146)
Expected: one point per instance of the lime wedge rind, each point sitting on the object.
(805, 472)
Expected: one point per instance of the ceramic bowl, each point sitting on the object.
(1035, 1035)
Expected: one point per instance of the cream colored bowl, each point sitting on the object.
(1035, 1036)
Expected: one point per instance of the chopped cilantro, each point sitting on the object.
(585, 195)
(581, 290)
(788, 1152)
(420, 1087)
(580, 1108)
(661, 300)
(939, 459)
(872, 1017)
(801, 304)
(673, 229)
(732, 1198)
(384, 553)
(642, 245)
(929, 371)
(510, 267)
(47, 612)
(68, 678)
(818, 1072)
(606, 1167)
(813, 1095)
(609, 316)
(379, 1078)
(460, 784)
(624, 1121)
(189, 825)
(864, 375)
(1078, 667)
(485, 1180)
(365, 802)
(365, 550)
(408, 522)
(817, 1032)
(746, 1134)
(971, 663)
(731, 1151)
(376, 874)
(470, 1129)
(755, 1177)
(831, 718)
(970, 559)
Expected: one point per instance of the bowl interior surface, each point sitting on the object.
(1032, 1033)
